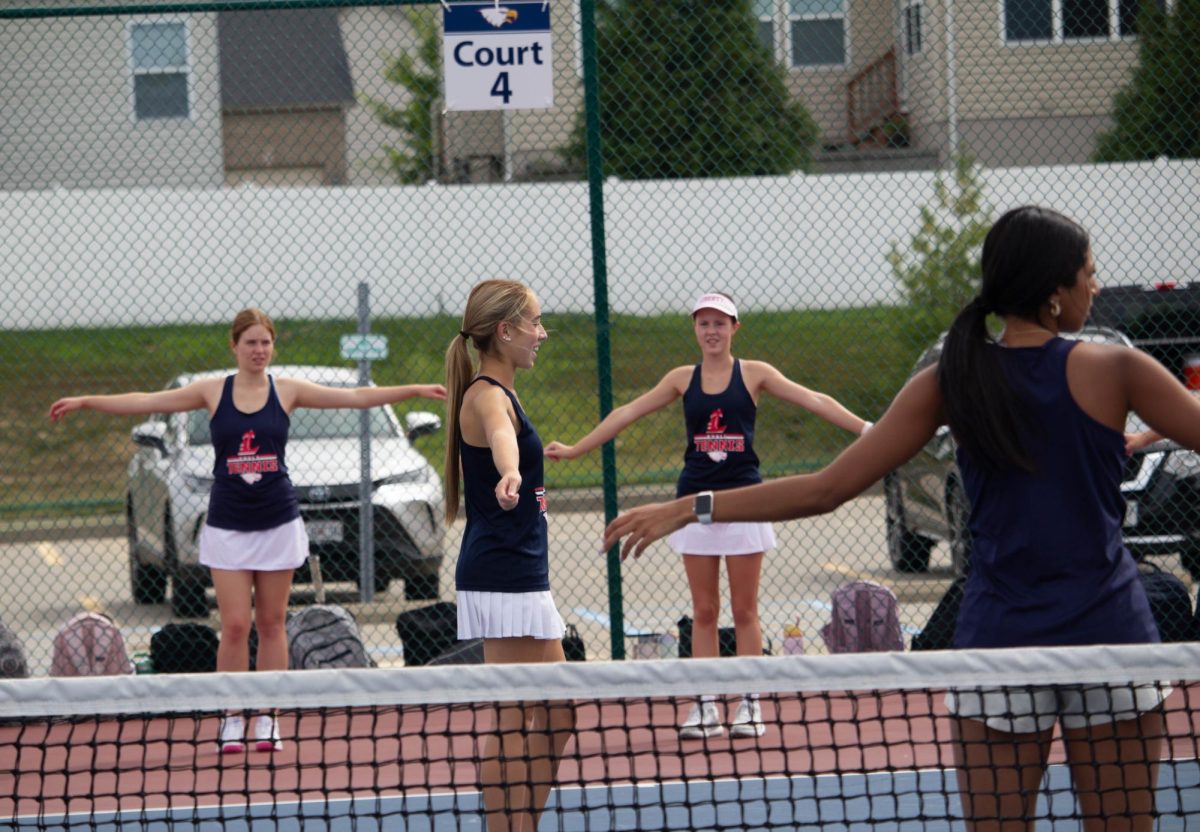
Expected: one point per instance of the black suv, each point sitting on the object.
(925, 501)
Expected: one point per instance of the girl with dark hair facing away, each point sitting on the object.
(720, 400)
(1039, 422)
(253, 536)
(502, 577)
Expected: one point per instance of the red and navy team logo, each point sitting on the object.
(716, 442)
(249, 464)
(539, 494)
(247, 448)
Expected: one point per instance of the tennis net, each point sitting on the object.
(848, 742)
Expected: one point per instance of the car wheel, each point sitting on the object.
(957, 514)
(1190, 558)
(147, 583)
(908, 551)
(421, 588)
(187, 594)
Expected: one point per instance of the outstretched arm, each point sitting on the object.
(1162, 401)
(492, 408)
(820, 404)
(300, 393)
(667, 390)
(193, 396)
(907, 425)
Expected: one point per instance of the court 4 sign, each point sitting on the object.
(497, 56)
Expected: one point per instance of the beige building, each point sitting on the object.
(898, 84)
(277, 98)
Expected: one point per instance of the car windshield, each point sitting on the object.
(308, 423)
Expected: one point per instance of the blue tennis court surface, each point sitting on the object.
(885, 801)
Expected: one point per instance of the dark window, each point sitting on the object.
(1085, 19)
(818, 42)
(159, 54)
(160, 96)
(912, 29)
(1027, 20)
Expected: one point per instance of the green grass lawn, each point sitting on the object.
(859, 356)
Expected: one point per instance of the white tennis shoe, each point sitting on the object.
(702, 721)
(233, 732)
(747, 720)
(266, 734)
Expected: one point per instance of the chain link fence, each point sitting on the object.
(831, 164)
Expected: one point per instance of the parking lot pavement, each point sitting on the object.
(54, 575)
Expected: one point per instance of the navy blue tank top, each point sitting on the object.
(720, 430)
(1048, 565)
(504, 551)
(251, 489)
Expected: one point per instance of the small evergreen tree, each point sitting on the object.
(1158, 113)
(687, 90)
(414, 161)
(941, 271)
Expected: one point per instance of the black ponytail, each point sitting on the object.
(1028, 254)
(980, 408)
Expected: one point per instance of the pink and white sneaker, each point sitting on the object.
(266, 734)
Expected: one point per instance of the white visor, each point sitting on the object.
(718, 302)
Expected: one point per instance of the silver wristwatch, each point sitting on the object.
(702, 507)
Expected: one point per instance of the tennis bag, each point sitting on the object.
(471, 650)
(90, 644)
(726, 640)
(939, 629)
(13, 664)
(865, 619)
(427, 632)
(1170, 604)
(189, 647)
(324, 635)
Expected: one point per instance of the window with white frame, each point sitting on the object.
(816, 30)
(161, 71)
(764, 12)
(1057, 21)
(913, 32)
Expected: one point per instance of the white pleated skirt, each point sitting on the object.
(269, 550)
(508, 615)
(723, 539)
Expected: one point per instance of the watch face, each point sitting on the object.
(702, 504)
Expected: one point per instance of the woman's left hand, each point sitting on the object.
(436, 392)
(1137, 441)
(645, 524)
(508, 491)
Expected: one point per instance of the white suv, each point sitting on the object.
(170, 477)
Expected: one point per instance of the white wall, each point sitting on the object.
(105, 257)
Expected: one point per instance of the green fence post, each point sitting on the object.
(595, 171)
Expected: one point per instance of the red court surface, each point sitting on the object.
(173, 762)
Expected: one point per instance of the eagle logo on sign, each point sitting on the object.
(498, 15)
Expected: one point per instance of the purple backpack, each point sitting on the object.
(866, 619)
(90, 645)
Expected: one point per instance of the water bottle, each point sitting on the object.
(793, 639)
(142, 663)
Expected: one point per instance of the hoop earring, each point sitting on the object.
(1055, 309)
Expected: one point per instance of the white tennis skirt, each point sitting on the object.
(723, 539)
(268, 550)
(508, 615)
